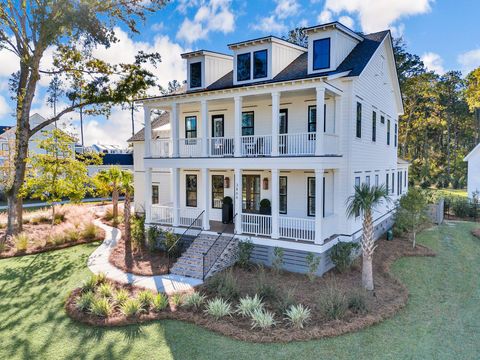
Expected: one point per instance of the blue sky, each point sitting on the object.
(444, 33)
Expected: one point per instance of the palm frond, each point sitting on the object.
(365, 198)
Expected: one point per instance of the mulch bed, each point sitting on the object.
(389, 297)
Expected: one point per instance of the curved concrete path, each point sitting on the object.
(98, 263)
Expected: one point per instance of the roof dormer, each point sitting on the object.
(329, 45)
(205, 67)
(262, 59)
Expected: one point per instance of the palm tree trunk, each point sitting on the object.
(367, 272)
(115, 201)
(126, 215)
(368, 247)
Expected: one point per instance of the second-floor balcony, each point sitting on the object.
(297, 144)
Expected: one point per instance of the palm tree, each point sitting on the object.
(110, 179)
(126, 184)
(363, 201)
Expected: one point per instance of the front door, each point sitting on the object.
(217, 126)
(251, 193)
(283, 129)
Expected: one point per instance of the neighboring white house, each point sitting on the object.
(473, 171)
(112, 155)
(247, 127)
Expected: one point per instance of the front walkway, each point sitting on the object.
(98, 263)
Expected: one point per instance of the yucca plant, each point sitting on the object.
(262, 319)
(84, 301)
(121, 296)
(145, 298)
(93, 281)
(218, 308)
(298, 315)
(160, 302)
(194, 300)
(176, 299)
(131, 307)
(248, 304)
(105, 290)
(101, 307)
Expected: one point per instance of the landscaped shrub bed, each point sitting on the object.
(261, 305)
(73, 225)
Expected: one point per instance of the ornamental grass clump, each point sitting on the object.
(333, 304)
(218, 308)
(89, 232)
(21, 242)
(131, 307)
(84, 301)
(298, 315)
(357, 301)
(160, 302)
(105, 290)
(145, 298)
(194, 300)
(93, 281)
(262, 319)
(121, 296)
(248, 305)
(101, 307)
(176, 299)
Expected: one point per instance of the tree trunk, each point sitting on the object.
(126, 216)
(414, 239)
(115, 202)
(53, 214)
(367, 272)
(368, 247)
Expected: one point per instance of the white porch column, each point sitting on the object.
(148, 131)
(319, 150)
(148, 195)
(275, 121)
(275, 203)
(318, 205)
(206, 199)
(204, 134)
(238, 125)
(174, 129)
(238, 201)
(176, 195)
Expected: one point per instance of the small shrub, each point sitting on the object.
(262, 319)
(298, 315)
(285, 300)
(341, 255)
(101, 307)
(357, 302)
(84, 301)
(171, 243)
(21, 242)
(313, 263)
(218, 308)
(245, 249)
(160, 302)
(176, 299)
(138, 231)
(145, 298)
(153, 233)
(461, 208)
(194, 300)
(121, 296)
(93, 281)
(89, 232)
(277, 262)
(333, 304)
(73, 235)
(263, 288)
(105, 290)
(223, 285)
(57, 239)
(131, 307)
(249, 304)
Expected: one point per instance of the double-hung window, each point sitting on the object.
(396, 134)
(260, 61)
(243, 67)
(367, 180)
(191, 190)
(386, 183)
(376, 180)
(155, 195)
(374, 126)
(248, 123)
(312, 120)
(195, 75)
(217, 191)
(311, 196)
(357, 184)
(190, 127)
(321, 54)
(283, 194)
(358, 126)
(393, 183)
(388, 132)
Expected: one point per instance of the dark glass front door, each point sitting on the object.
(283, 129)
(217, 126)
(251, 193)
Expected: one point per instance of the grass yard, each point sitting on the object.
(441, 320)
(451, 192)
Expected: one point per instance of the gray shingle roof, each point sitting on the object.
(160, 120)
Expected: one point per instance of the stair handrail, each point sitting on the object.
(188, 228)
(205, 253)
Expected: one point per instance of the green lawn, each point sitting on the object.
(441, 321)
(451, 192)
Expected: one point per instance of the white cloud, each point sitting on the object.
(375, 15)
(347, 21)
(274, 23)
(215, 15)
(286, 8)
(433, 62)
(115, 130)
(158, 27)
(325, 17)
(269, 24)
(469, 60)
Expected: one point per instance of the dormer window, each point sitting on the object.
(321, 54)
(260, 59)
(243, 67)
(196, 75)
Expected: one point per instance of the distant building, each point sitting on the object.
(124, 161)
(473, 177)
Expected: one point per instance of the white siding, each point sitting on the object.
(473, 173)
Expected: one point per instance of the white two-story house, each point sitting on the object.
(273, 120)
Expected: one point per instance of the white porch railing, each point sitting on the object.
(221, 146)
(162, 214)
(331, 143)
(296, 228)
(188, 215)
(256, 145)
(162, 148)
(217, 203)
(190, 147)
(256, 224)
(296, 144)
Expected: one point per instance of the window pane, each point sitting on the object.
(247, 123)
(217, 126)
(155, 194)
(311, 196)
(312, 118)
(374, 126)
(196, 75)
(217, 191)
(283, 194)
(359, 120)
(191, 127)
(260, 64)
(388, 132)
(191, 190)
(243, 67)
(321, 54)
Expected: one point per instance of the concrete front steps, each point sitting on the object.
(218, 257)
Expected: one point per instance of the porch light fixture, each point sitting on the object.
(265, 183)
(226, 182)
